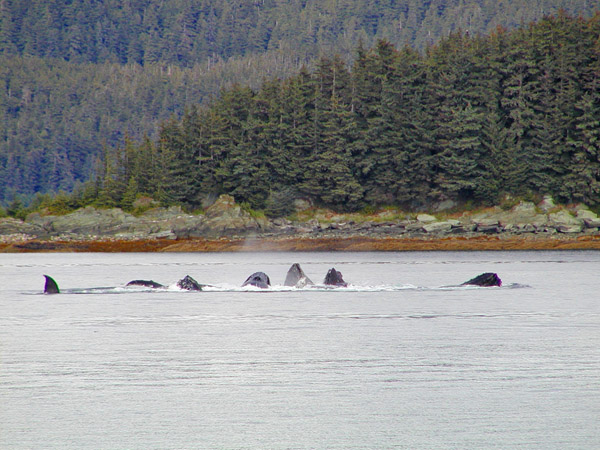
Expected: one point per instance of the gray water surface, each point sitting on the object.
(402, 359)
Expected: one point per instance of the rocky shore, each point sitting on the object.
(225, 226)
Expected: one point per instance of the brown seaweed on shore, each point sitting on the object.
(358, 243)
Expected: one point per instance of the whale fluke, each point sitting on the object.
(485, 279)
(296, 277)
(146, 283)
(189, 284)
(50, 287)
(258, 279)
(334, 278)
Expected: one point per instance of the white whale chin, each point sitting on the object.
(303, 282)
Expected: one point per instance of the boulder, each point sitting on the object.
(12, 226)
(590, 219)
(438, 227)
(547, 203)
(488, 225)
(225, 217)
(87, 221)
(524, 217)
(564, 222)
(592, 223)
(426, 218)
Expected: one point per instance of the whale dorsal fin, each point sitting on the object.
(50, 287)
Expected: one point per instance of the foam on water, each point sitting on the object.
(225, 288)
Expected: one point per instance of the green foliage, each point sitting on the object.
(253, 213)
(280, 203)
(17, 209)
(79, 75)
(472, 119)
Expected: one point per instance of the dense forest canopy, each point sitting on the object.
(473, 119)
(77, 76)
(185, 32)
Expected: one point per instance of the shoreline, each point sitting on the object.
(309, 244)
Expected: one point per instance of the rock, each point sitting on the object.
(90, 221)
(485, 279)
(227, 218)
(163, 235)
(426, 218)
(590, 219)
(223, 205)
(334, 278)
(585, 214)
(11, 226)
(564, 222)
(296, 277)
(438, 227)
(592, 223)
(487, 222)
(547, 203)
(567, 229)
(189, 284)
(413, 227)
(258, 279)
(523, 217)
(525, 208)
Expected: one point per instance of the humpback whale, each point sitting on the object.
(189, 284)
(296, 277)
(50, 287)
(485, 279)
(334, 278)
(258, 279)
(146, 283)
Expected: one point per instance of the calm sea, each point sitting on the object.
(402, 359)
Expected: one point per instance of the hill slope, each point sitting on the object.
(81, 75)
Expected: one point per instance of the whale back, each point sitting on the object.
(50, 287)
(486, 279)
(146, 283)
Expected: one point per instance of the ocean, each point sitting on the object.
(403, 358)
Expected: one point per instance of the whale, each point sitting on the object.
(486, 279)
(334, 278)
(50, 287)
(296, 277)
(189, 284)
(258, 279)
(146, 283)
(186, 283)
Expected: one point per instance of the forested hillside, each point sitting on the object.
(185, 32)
(79, 75)
(474, 119)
